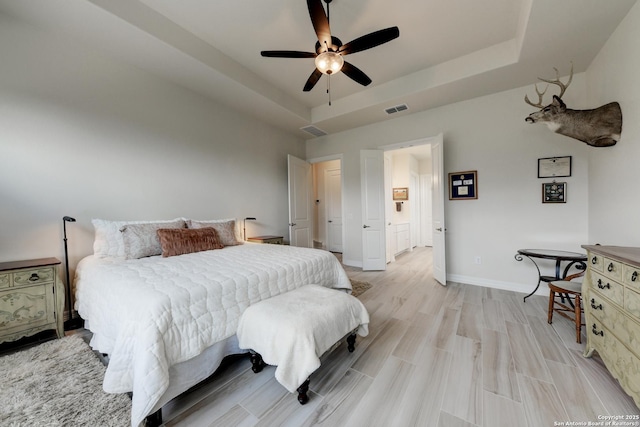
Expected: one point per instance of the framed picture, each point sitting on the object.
(401, 193)
(554, 167)
(554, 192)
(463, 185)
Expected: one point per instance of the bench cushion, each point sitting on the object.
(292, 330)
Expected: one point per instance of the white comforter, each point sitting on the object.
(152, 313)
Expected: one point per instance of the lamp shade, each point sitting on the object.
(329, 62)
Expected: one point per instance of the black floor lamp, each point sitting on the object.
(71, 323)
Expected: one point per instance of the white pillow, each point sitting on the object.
(108, 241)
(227, 230)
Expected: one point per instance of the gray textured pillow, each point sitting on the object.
(141, 240)
(225, 228)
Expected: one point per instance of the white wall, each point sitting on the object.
(86, 136)
(486, 134)
(614, 189)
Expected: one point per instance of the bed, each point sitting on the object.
(167, 322)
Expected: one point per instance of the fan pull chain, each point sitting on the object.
(329, 87)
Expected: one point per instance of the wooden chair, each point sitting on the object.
(565, 289)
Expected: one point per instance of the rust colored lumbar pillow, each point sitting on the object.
(181, 241)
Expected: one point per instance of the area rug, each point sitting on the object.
(58, 383)
(359, 287)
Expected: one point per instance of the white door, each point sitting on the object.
(300, 202)
(373, 227)
(437, 160)
(333, 196)
(414, 205)
(390, 233)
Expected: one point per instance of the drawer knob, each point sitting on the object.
(595, 331)
(601, 286)
(594, 306)
(34, 277)
(594, 260)
(610, 267)
(634, 276)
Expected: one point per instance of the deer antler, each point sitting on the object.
(563, 86)
(557, 82)
(540, 95)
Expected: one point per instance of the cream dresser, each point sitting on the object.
(611, 300)
(31, 298)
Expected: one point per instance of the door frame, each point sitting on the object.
(340, 157)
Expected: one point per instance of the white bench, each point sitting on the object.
(292, 330)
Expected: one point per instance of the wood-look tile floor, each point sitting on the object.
(436, 356)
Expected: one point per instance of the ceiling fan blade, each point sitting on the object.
(313, 79)
(287, 54)
(370, 40)
(355, 74)
(320, 22)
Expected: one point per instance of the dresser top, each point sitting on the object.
(630, 255)
(29, 263)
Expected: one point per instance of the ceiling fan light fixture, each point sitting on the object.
(329, 62)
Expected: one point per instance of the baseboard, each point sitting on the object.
(352, 263)
(495, 284)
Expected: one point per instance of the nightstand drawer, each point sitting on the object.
(30, 277)
(26, 307)
(5, 280)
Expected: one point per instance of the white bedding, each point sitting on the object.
(152, 313)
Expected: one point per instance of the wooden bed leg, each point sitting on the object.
(257, 364)
(351, 342)
(155, 419)
(302, 392)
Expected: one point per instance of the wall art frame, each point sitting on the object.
(554, 192)
(401, 193)
(463, 185)
(554, 167)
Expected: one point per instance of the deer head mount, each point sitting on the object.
(600, 127)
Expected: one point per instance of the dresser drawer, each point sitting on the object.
(612, 269)
(595, 261)
(612, 318)
(5, 280)
(623, 364)
(31, 277)
(631, 277)
(607, 287)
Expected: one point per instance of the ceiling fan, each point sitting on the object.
(330, 50)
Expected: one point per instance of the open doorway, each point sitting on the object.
(328, 220)
(408, 199)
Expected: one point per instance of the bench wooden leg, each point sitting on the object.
(257, 364)
(302, 392)
(351, 342)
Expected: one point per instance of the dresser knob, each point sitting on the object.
(594, 306)
(610, 267)
(634, 276)
(34, 277)
(595, 331)
(594, 260)
(601, 286)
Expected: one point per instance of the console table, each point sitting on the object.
(570, 258)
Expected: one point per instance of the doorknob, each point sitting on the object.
(292, 224)
(329, 221)
(439, 229)
(366, 226)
